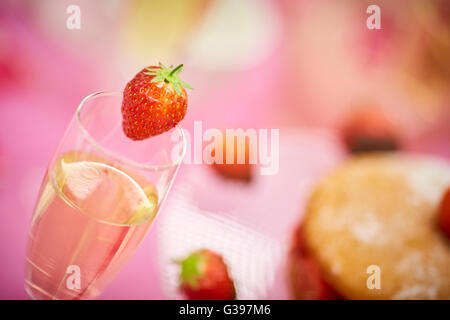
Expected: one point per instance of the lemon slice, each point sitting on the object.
(145, 211)
(104, 191)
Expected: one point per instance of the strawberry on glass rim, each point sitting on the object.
(154, 101)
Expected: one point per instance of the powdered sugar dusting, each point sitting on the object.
(415, 292)
(365, 226)
(368, 229)
(382, 210)
(429, 180)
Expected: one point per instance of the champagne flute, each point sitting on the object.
(99, 197)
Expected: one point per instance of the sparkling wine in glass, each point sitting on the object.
(99, 197)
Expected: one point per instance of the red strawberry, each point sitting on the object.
(154, 101)
(444, 213)
(204, 276)
(305, 276)
(369, 130)
(235, 171)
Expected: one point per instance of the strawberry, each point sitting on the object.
(369, 130)
(305, 276)
(444, 213)
(154, 101)
(235, 170)
(204, 276)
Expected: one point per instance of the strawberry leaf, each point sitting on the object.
(186, 85)
(169, 75)
(158, 79)
(191, 268)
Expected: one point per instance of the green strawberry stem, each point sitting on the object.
(191, 268)
(176, 70)
(169, 75)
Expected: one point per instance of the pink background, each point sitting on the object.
(299, 80)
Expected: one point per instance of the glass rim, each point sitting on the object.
(114, 155)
